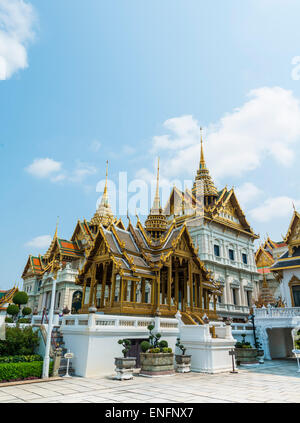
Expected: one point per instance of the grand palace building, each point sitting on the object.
(195, 255)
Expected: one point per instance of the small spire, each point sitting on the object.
(294, 206)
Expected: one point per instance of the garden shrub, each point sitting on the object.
(20, 358)
(145, 346)
(19, 371)
(19, 341)
(12, 310)
(26, 311)
(24, 320)
(9, 320)
(20, 298)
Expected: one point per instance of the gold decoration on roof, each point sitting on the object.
(104, 214)
(203, 177)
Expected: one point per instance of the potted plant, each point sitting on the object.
(125, 365)
(183, 361)
(245, 353)
(157, 359)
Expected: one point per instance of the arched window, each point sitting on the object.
(294, 285)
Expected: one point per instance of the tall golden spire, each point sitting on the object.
(156, 222)
(202, 164)
(156, 203)
(104, 214)
(57, 221)
(203, 182)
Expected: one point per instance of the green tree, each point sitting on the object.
(20, 298)
(19, 341)
(26, 311)
(12, 310)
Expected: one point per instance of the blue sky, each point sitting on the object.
(83, 82)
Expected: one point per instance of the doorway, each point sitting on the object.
(135, 350)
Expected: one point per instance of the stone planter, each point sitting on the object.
(246, 355)
(124, 367)
(183, 363)
(260, 356)
(157, 364)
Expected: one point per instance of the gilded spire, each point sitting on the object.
(105, 193)
(104, 214)
(57, 221)
(203, 178)
(202, 161)
(156, 203)
(156, 222)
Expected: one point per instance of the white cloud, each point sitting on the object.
(247, 193)
(44, 168)
(42, 241)
(95, 146)
(265, 127)
(17, 19)
(272, 208)
(53, 170)
(82, 170)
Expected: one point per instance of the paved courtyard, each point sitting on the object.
(275, 381)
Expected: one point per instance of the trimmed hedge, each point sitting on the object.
(20, 358)
(20, 371)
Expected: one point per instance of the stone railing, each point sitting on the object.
(270, 312)
(233, 308)
(102, 322)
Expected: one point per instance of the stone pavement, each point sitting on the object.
(274, 381)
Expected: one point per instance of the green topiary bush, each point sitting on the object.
(180, 346)
(126, 346)
(20, 298)
(163, 344)
(19, 341)
(145, 346)
(26, 311)
(9, 320)
(19, 371)
(12, 310)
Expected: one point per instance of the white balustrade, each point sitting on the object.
(107, 322)
(270, 312)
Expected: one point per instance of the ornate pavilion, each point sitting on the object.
(150, 269)
(147, 270)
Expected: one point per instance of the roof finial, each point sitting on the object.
(294, 206)
(202, 161)
(57, 221)
(105, 188)
(156, 202)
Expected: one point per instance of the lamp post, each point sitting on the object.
(50, 323)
